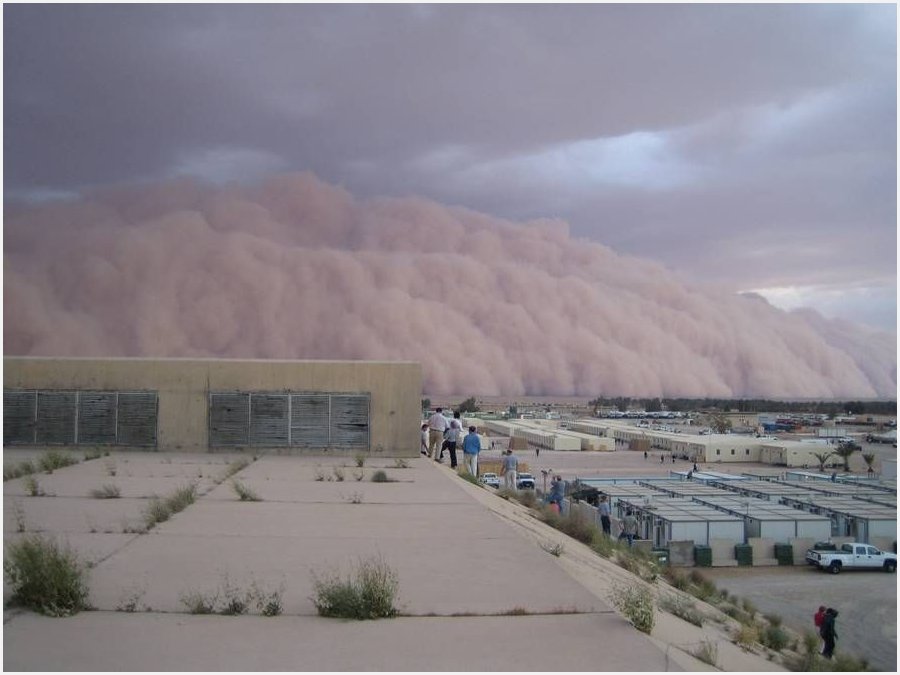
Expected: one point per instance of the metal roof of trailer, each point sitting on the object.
(685, 488)
(846, 506)
(680, 510)
(767, 488)
(759, 509)
(620, 491)
(833, 489)
(872, 483)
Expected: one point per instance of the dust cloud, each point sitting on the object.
(296, 268)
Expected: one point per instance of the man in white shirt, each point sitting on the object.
(509, 469)
(437, 424)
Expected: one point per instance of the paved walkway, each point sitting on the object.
(452, 555)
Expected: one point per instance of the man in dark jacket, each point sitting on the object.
(829, 632)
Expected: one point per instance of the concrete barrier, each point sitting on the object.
(723, 553)
(763, 551)
(801, 545)
(681, 553)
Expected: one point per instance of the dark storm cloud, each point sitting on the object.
(751, 145)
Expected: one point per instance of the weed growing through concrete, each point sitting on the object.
(45, 577)
(401, 463)
(745, 636)
(32, 487)
(338, 474)
(268, 602)
(355, 498)
(359, 475)
(245, 493)
(110, 466)
(53, 459)
(636, 603)
(381, 476)
(131, 602)
(199, 603)
(236, 601)
(319, 475)
(553, 549)
(682, 608)
(708, 652)
(360, 459)
(107, 491)
(367, 594)
(465, 475)
(92, 454)
(23, 468)
(19, 515)
(160, 510)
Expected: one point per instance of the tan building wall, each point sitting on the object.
(183, 387)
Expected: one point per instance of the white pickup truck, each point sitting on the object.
(852, 556)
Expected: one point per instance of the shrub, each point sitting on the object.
(45, 577)
(465, 475)
(639, 565)
(636, 603)
(380, 477)
(23, 468)
(199, 603)
(355, 498)
(775, 638)
(338, 474)
(746, 635)
(92, 454)
(110, 466)
(32, 487)
(156, 512)
(678, 579)
(319, 475)
(368, 595)
(236, 602)
(845, 663)
(107, 491)
(707, 652)
(527, 498)
(245, 493)
(682, 608)
(181, 498)
(53, 459)
(360, 459)
(773, 619)
(268, 603)
(401, 463)
(359, 475)
(749, 607)
(737, 614)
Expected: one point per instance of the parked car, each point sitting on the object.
(491, 479)
(525, 481)
(852, 556)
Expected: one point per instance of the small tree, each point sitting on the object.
(822, 457)
(844, 450)
(467, 406)
(719, 423)
(869, 459)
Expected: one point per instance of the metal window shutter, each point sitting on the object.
(96, 418)
(55, 418)
(269, 419)
(350, 421)
(229, 419)
(309, 421)
(18, 417)
(137, 418)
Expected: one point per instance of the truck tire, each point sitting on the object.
(890, 566)
(835, 567)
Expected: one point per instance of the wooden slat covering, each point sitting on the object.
(269, 420)
(56, 413)
(350, 421)
(137, 414)
(96, 418)
(18, 417)
(309, 420)
(229, 419)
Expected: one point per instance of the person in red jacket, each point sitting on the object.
(818, 619)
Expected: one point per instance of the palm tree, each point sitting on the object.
(869, 459)
(822, 457)
(845, 449)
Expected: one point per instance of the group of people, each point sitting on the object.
(438, 431)
(824, 621)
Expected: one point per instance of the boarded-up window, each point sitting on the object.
(137, 415)
(55, 418)
(269, 419)
(309, 420)
(18, 417)
(229, 419)
(349, 421)
(96, 418)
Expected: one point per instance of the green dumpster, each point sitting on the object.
(661, 555)
(744, 555)
(702, 556)
(784, 554)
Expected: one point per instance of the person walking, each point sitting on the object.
(437, 425)
(630, 527)
(471, 448)
(603, 508)
(818, 618)
(453, 434)
(557, 492)
(509, 470)
(829, 631)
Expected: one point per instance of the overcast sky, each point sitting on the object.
(748, 146)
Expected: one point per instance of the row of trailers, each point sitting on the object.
(712, 507)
